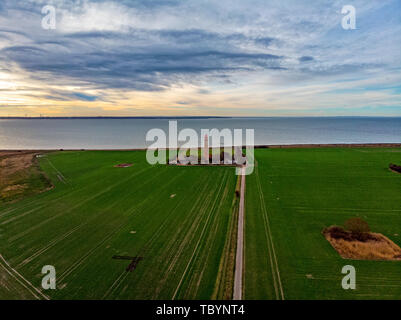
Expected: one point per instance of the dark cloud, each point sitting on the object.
(203, 91)
(116, 60)
(84, 97)
(139, 59)
(306, 59)
(60, 95)
(201, 37)
(7, 31)
(265, 42)
(189, 42)
(340, 69)
(150, 4)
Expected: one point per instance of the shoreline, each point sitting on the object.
(194, 117)
(275, 146)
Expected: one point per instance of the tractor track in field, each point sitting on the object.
(66, 195)
(26, 205)
(217, 202)
(65, 235)
(21, 280)
(120, 279)
(60, 176)
(206, 216)
(278, 287)
(195, 252)
(187, 238)
(190, 226)
(79, 262)
(22, 215)
(212, 234)
(83, 258)
(79, 204)
(48, 246)
(115, 285)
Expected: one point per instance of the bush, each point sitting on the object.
(394, 167)
(336, 232)
(356, 225)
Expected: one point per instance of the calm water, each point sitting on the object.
(130, 133)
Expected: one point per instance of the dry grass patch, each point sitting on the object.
(12, 163)
(362, 246)
(20, 175)
(14, 190)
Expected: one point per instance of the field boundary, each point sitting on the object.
(21, 280)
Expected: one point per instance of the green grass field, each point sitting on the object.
(180, 220)
(292, 196)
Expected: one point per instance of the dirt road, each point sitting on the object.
(240, 242)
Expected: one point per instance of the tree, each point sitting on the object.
(356, 225)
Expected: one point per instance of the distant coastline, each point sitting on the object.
(265, 146)
(101, 117)
(183, 117)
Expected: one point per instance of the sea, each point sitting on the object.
(130, 133)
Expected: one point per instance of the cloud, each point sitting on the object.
(71, 96)
(244, 51)
(306, 59)
(152, 67)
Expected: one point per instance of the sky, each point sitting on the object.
(200, 58)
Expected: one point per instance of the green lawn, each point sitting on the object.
(295, 193)
(178, 219)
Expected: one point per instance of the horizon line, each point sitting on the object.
(185, 117)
